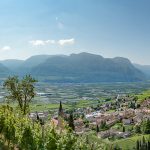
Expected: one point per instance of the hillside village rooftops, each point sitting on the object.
(40, 114)
(108, 133)
(54, 121)
(93, 114)
(126, 121)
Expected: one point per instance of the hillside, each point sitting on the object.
(34, 61)
(4, 71)
(11, 63)
(144, 68)
(82, 67)
(85, 67)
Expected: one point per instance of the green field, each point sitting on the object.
(125, 144)
(143, 95)
(46, 107)
(129, 143)
(52, 106)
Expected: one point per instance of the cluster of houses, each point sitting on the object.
(114, 133)
(127, 116)
(89, 119)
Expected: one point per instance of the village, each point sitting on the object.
(113, 119)
(105, 115)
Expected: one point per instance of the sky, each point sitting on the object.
(106, 27)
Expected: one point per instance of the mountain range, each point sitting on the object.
(82, 67)
(144, 68)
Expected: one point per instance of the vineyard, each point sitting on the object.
(19, 132)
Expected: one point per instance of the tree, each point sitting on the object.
(28, 141)
(103, 125)
(143, 140)
(132, 105)
(97, 128)
(143, 144)
(137, 145)
(22, 91)
(147, 130)
(148, 145)
(60, 111)
(116, 147)
(135, 98)
(146, 126)
(71, 121)
(123, 129)
(137, 129)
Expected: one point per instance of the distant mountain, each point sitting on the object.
(33, 61)
(12, 63)
(4, 71)
(82, 67)
(144, 68)
(85, 67)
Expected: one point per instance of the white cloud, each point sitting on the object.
(37, 42)
(6, 48)
(50, 41)
(64, 42)
(41, 42)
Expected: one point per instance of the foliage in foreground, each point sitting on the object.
(143, 144)
(22, 91)
(19, 131)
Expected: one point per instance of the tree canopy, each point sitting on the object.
(22, 91)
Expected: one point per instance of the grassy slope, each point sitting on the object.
(125, 144)
(143, 95)
(129, 143)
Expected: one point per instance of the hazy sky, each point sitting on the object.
(106, 27)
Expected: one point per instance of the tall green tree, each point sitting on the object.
(123, 129)
(143, 144)
(22, 91)
(60, 111)
(97, 128)
(147, 130)
(137, 129)
(71, 121)
(146, 126)
(116, 147)
(137, 145)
